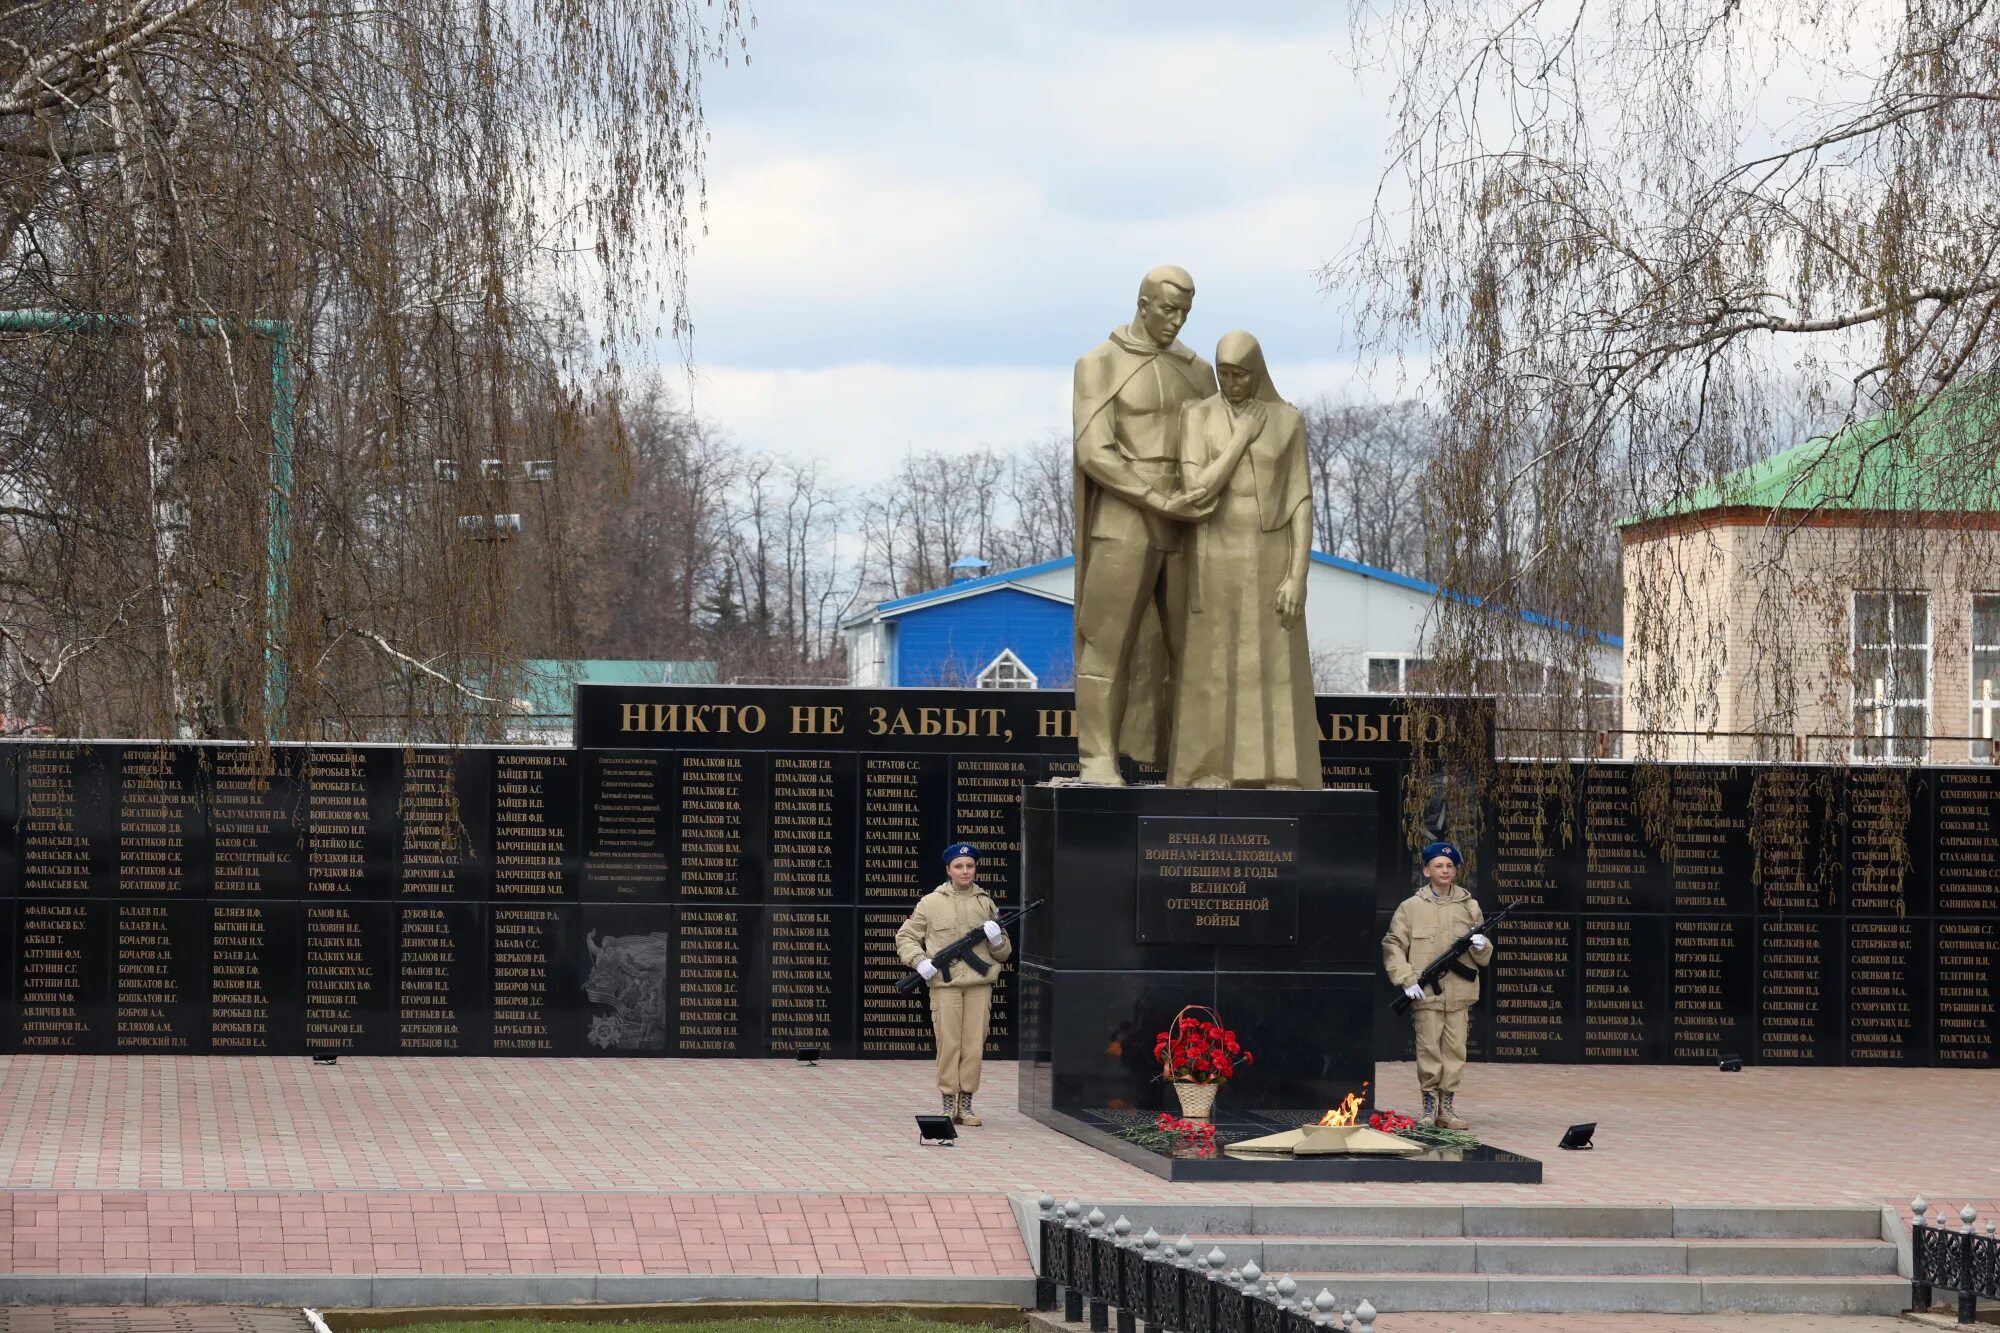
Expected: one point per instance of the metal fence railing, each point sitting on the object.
(1960, 1260)
(1092, 1268)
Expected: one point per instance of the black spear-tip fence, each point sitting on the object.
(1091, 1267)
(1960, 1260)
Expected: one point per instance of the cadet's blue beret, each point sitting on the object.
(958, 849)
(1437, 849)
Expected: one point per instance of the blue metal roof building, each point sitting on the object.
(1015, 628)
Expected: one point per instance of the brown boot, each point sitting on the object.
(965, 1115)
(1446, 1117)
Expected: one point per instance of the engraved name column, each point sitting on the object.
(160, 946)
(905, 804)
(719, 1000)
(1531, 986)
(1711, 965)
(62, 971)
(1966, 1011)
(535, 946)
(809, 925)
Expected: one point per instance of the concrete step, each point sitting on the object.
(1571, 1221)
(1603, 1294)
(1444, 1254)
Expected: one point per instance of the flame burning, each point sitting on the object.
(1349, 1110)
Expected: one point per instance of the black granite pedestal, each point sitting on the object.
(1257, 903)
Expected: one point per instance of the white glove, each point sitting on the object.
(926, 969)
(1481, 943)
(992, 929)
(1414, 992)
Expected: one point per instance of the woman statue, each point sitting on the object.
(1243, 706)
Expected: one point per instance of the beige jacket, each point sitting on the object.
(942, 916)
(1424, 927)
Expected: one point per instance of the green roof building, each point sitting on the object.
(1838, 601)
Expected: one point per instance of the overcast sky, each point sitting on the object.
(920, 214)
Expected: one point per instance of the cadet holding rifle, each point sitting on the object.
(1427, 925)
(961, 997)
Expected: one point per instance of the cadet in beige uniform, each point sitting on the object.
(960, 1003)
(1430, 921)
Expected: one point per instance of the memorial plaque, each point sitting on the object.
(535, 999)
(722, 828)
(159, 953)
(62, 977)
(162, 836)
(1711, 988)
(891, 1024)
(254, 985)
(1794, 840)
(1529, 992)
(812, 823)
(1888, 992)
(628, 831)
(1534, 840)
(1000, 1017)
(986, 812)
(1887, 826)
(1799, 992)
(628, 979)
(441, 979)
(718, 992)
(811, 965)
(534, 824)
(350, 982)
(256, 826)
(1968, 993)
(69, 835)
(352, 823)
(1622, 869)
(1967, 842)
(1623, 1010)
(1218, 881)
(1708, 852)
(903, 827)
(443, 805)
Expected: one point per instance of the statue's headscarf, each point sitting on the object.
(1241, 350)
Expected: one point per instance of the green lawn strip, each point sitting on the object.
(692, 1317)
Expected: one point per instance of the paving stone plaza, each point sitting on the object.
(412, 1181)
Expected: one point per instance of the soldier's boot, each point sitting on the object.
(1446, 1116)
(950, 1105)
(1430, 1105)
(965, 1115)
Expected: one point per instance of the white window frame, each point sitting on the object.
(1880, 709)
(1402, 661)
(1985, 712)
(1007, 661)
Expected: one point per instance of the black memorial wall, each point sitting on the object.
(721, 870)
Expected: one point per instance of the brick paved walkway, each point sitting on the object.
(145, 1164)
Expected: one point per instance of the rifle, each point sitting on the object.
(1432, 977)
(961, 949)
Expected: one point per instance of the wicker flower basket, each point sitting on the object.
(1197, 1099)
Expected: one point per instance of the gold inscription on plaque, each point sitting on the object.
(1968, 843)
(1529, 982)
(1613, 1010)
(627, 853)
(1968, 990)
(426, 958)
(1222, 879)
(803, 836)
(239, 1008)
(433, 838)
(153, 807)
(143, 984)
(1789, 991)
(55, 939)
(713, 787)
(802, 980)
(528, 848)
(339, 978)
(1704, 955)
(523, 940)
(55, 856)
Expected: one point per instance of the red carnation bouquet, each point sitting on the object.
(1199, 1050)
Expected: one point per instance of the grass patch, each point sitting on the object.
(694, 1317)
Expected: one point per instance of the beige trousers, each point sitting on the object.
(958, 1018)
(1440, 1048)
